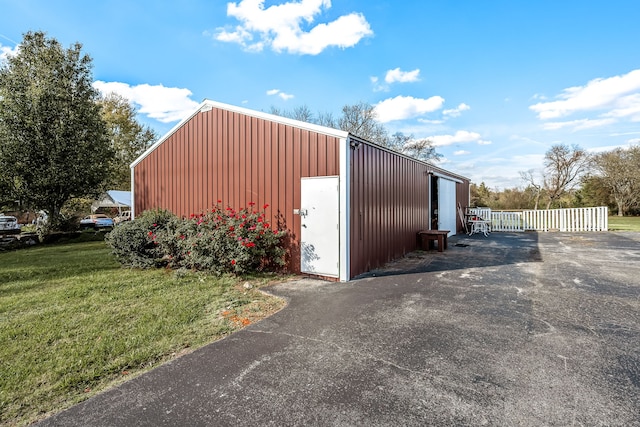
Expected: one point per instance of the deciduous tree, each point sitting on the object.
(53, 142)
(361, 120)
(128, 137)
(534, 186)
(564, 166)
(620, 173)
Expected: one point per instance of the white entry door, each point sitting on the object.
(447, 215)
(320, 226)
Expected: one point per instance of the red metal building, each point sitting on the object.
(349, 205)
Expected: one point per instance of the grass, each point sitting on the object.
(624, 223)
(73, 322)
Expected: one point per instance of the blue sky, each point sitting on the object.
(493, 83)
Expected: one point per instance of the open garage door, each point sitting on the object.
(447, 215)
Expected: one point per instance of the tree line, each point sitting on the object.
(572, 177)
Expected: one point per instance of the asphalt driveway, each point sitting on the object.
(514, 329)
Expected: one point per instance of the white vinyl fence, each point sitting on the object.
(576, 219)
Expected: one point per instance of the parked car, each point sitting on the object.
(96, 221)
(124, 216)
(9, 224)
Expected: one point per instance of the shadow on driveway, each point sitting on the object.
(464, 251)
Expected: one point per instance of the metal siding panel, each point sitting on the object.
(166, 178)
(313, 156)
(234, 172)
(202, 161)
(305, 154)
(289, 185)
(270, 166)
(275, 166)
(322, 169)
(252, 194)
(219, 155)
(188, 162)
(300, 139)
(334, 160)
(280, 184)
(242, 162)
(153, 172)
(162, 174)
(195, 196)
(183, 150)
(262, 162)
(389, 204)
(228, 158)
(209, 141)
(177, 155)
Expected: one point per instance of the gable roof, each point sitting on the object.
(112, 199)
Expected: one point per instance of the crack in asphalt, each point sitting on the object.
(357, 353)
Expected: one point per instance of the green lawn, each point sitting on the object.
(624, 223)
(73, 322)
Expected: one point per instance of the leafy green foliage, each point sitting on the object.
(617, 170)
(53, 142)
(128, 138)
(132, 244)
(219, 241)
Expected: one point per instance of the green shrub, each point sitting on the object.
(218, 241)
(132, 242)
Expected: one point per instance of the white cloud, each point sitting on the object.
(598, 94)
(377, 86)
(281, 94)
(455, 112)
(461, 136)
(165, 104)
(280, 27)
(397, 75)
(431, 122)
(580, 124)
(6, 52)
(406, 107)
(497, 171)
(626, 107)
(461, 153)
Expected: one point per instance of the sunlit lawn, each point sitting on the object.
(624, 223)
(73, 322)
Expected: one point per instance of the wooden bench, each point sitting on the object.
(431, 236)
